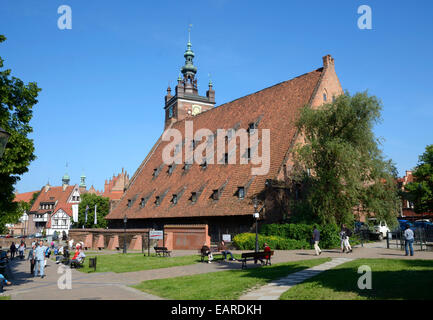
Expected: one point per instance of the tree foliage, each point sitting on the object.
(102, 209)
(420, 192)
(342, 165)
(16, 102)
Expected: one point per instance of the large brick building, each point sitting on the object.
(221, 195)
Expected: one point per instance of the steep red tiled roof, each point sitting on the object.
(277, 108)
(26, 197)
(54, 194)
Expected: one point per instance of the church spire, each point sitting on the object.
(189, 70)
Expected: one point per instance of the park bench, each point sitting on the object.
(162, 251)
(264, 257)
(76, 264)
(214, 251)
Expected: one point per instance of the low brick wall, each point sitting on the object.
(186, 237)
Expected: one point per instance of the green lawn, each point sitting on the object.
(5, 297)
(391, 279)
(120, 262)
(222, 285)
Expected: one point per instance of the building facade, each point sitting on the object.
(223, 189)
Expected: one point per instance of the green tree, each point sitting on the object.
(420, 192)
(342, 165)
(103, 206)
(16, 102)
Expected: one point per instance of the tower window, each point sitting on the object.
(170, 112)
(157, 201)
(241, 192)
(174, 199)
(215, 194)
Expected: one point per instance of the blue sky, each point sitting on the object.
(103, 82)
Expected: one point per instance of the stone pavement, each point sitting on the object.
(275, 289)
(110, 285)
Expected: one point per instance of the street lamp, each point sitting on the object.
(125, 220)
(256, 216)
(4, 137)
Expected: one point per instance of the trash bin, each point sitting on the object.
(92, 263)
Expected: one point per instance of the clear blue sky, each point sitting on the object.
(104, 81)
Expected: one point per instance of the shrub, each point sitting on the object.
(247, 241)
(329, 234)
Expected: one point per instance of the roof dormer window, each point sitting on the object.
(193, 197)
(203, 165)
(241, 192)
(157, 201)
(215, 194)
(170, 169)
(174, 199)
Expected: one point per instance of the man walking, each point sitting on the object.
(40, 259)
(316, 239)
(408, 236)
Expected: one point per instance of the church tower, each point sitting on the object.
(186, 101)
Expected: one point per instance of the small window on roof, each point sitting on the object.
(203, 165)
(155, 172)
(193, 197)
(170, 169)
(241, 192)
(129, 203)
(215, 194)
(174, 199)
(157, 201)
(252, 127)
(142, 203)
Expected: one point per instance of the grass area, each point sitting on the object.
(222, 285)
(391, 279)
(120, 262)
(5, 297)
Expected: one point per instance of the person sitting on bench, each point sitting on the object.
(78, 256)
(205, 251)
(3, 281)
(224, 251)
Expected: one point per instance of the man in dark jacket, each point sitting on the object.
(316, 239)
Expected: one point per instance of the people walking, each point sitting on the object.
(409, 237)
(342, 239)
(40, 259)
(31, 257)
(346, 241)
(12, 249)
(316, 239)
(21, 249)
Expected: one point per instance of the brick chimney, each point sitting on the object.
(328, 61)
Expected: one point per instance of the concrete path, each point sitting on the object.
(275, 289)
(110, 285)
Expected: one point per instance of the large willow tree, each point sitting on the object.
(346, 168)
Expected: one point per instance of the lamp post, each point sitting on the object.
(256, 216)
(125, 220)
(4, 137)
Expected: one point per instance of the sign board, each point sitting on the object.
(227, 238)
(156, 234)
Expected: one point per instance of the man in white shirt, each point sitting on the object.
(408, 236)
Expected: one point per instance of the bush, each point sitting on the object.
(329, 234)
(247, 241)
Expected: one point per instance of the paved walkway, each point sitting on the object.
(275, 289)
(109, 285)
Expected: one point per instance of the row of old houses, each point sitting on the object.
(56, 207)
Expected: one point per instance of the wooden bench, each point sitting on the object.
(75, 264)
(214, 251)
(264, 257)
(162, 251)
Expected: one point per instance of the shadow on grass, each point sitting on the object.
(391, 279)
